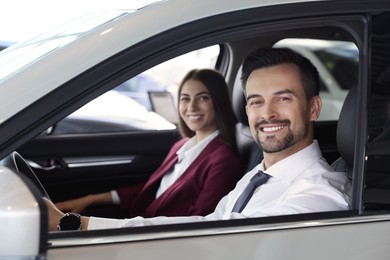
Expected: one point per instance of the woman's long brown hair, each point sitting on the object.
(218, 89)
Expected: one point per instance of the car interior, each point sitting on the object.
(56, 155)
(346, 134)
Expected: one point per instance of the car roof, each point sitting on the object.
(5, 44)
(108, 32)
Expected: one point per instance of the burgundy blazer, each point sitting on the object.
(198, 190)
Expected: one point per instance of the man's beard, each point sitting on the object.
(289, 140)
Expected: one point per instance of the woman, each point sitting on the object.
(199, 170)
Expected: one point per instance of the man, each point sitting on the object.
(282, 92)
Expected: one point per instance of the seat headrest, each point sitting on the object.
(238, 100)
(346, 127)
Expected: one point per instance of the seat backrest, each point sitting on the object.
(346, 127)
(249, 151)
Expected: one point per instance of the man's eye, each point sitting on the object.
(284, 98)
(255, 102)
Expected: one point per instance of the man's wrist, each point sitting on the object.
(70, 221)
(84, 223)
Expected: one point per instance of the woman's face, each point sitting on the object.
(196, 108)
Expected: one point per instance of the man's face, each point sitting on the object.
(278, 112)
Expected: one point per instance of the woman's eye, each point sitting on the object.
(203, 98)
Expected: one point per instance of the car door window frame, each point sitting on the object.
(258, 29)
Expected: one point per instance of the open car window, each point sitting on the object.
(144, 102)
(304, 41)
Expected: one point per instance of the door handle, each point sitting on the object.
(52, 166)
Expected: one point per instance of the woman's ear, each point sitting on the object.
(315, 107)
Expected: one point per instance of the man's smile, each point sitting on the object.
(271, 128)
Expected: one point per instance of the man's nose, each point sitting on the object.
(268, 112)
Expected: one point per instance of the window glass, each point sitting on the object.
(144, 102)
(377, 182)
(337, 62)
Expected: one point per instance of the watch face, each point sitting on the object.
(70, 221)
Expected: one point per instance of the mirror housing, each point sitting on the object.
(23, 218)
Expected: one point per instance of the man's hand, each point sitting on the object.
(54, 215)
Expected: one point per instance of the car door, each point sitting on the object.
(116, 140)
(332, 235)
(360, 233)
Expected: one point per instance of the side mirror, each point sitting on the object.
(23, 218)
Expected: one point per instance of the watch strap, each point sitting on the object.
(70, 221)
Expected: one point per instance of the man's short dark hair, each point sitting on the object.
(267, 57)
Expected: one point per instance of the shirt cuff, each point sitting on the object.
(102, 223)
(115, 197)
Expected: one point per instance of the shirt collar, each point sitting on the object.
(288, 168)
(192, 149)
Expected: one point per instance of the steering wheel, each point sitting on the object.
(16, 162)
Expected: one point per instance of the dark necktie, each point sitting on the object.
(258, 179)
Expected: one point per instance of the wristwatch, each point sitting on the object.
(70, 221)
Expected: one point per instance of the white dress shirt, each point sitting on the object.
(301, 183)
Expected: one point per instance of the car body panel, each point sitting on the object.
(317, 240)
(22, 215)
(19, 216)
(65, 84)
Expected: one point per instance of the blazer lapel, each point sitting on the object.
(148, 193)
(189, 173)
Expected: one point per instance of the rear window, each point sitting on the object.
(337, 63)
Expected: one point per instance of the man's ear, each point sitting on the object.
(315, 107)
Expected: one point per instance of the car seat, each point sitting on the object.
(249, 151)
(346, 128)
